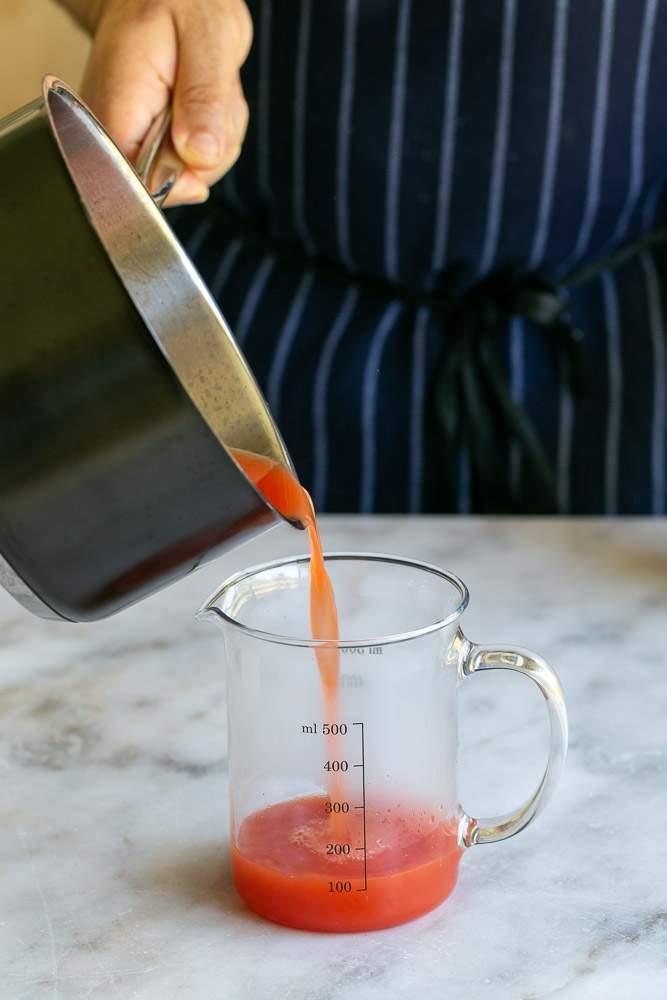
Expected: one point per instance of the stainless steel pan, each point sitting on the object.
(121, 386)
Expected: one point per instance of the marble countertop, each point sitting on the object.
(113, 842)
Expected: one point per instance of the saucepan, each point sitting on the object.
(122, 389)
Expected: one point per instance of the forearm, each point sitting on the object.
(84, 12)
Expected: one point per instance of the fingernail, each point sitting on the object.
(203, 146)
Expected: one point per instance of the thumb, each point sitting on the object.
(205, 128)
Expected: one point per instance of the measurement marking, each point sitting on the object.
(363, 798)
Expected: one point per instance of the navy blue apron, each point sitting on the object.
(406, 151)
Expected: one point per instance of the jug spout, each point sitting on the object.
(216, 608)
(209, 612)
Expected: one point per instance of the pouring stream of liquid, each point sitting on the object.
(282, 489)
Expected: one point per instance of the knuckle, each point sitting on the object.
(231, 33)
(203, 96)
(236, 25)
(245, 29)
(148, 10)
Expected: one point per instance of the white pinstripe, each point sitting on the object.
(615, 380)
(417, 411)
(286, 340)
(253, 297)
(658, 337)
(369, 403)
(448, 137)
(517, 390)
(395, 144)
(344, 129)
(558, 57)
(564, 453)
(299, 149)
(320, 390)
(598, 132)
(503, 112)
(650, 209)
(225, 268)
(263, 100)
(638, 119)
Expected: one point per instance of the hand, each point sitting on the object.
(147, 53)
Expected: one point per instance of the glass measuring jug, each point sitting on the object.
(344, 809)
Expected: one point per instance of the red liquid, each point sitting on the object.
(280, 862)
(282, 870)
(287, 495)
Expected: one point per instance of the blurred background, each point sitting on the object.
(36, 37)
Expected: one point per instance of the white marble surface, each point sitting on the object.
(113, 844)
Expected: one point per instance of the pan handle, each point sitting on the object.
(157, 164)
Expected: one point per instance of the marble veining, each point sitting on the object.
(113, 781)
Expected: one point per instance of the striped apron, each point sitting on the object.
(403, 147)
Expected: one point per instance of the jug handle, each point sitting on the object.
(474, 658)
(157, 163)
